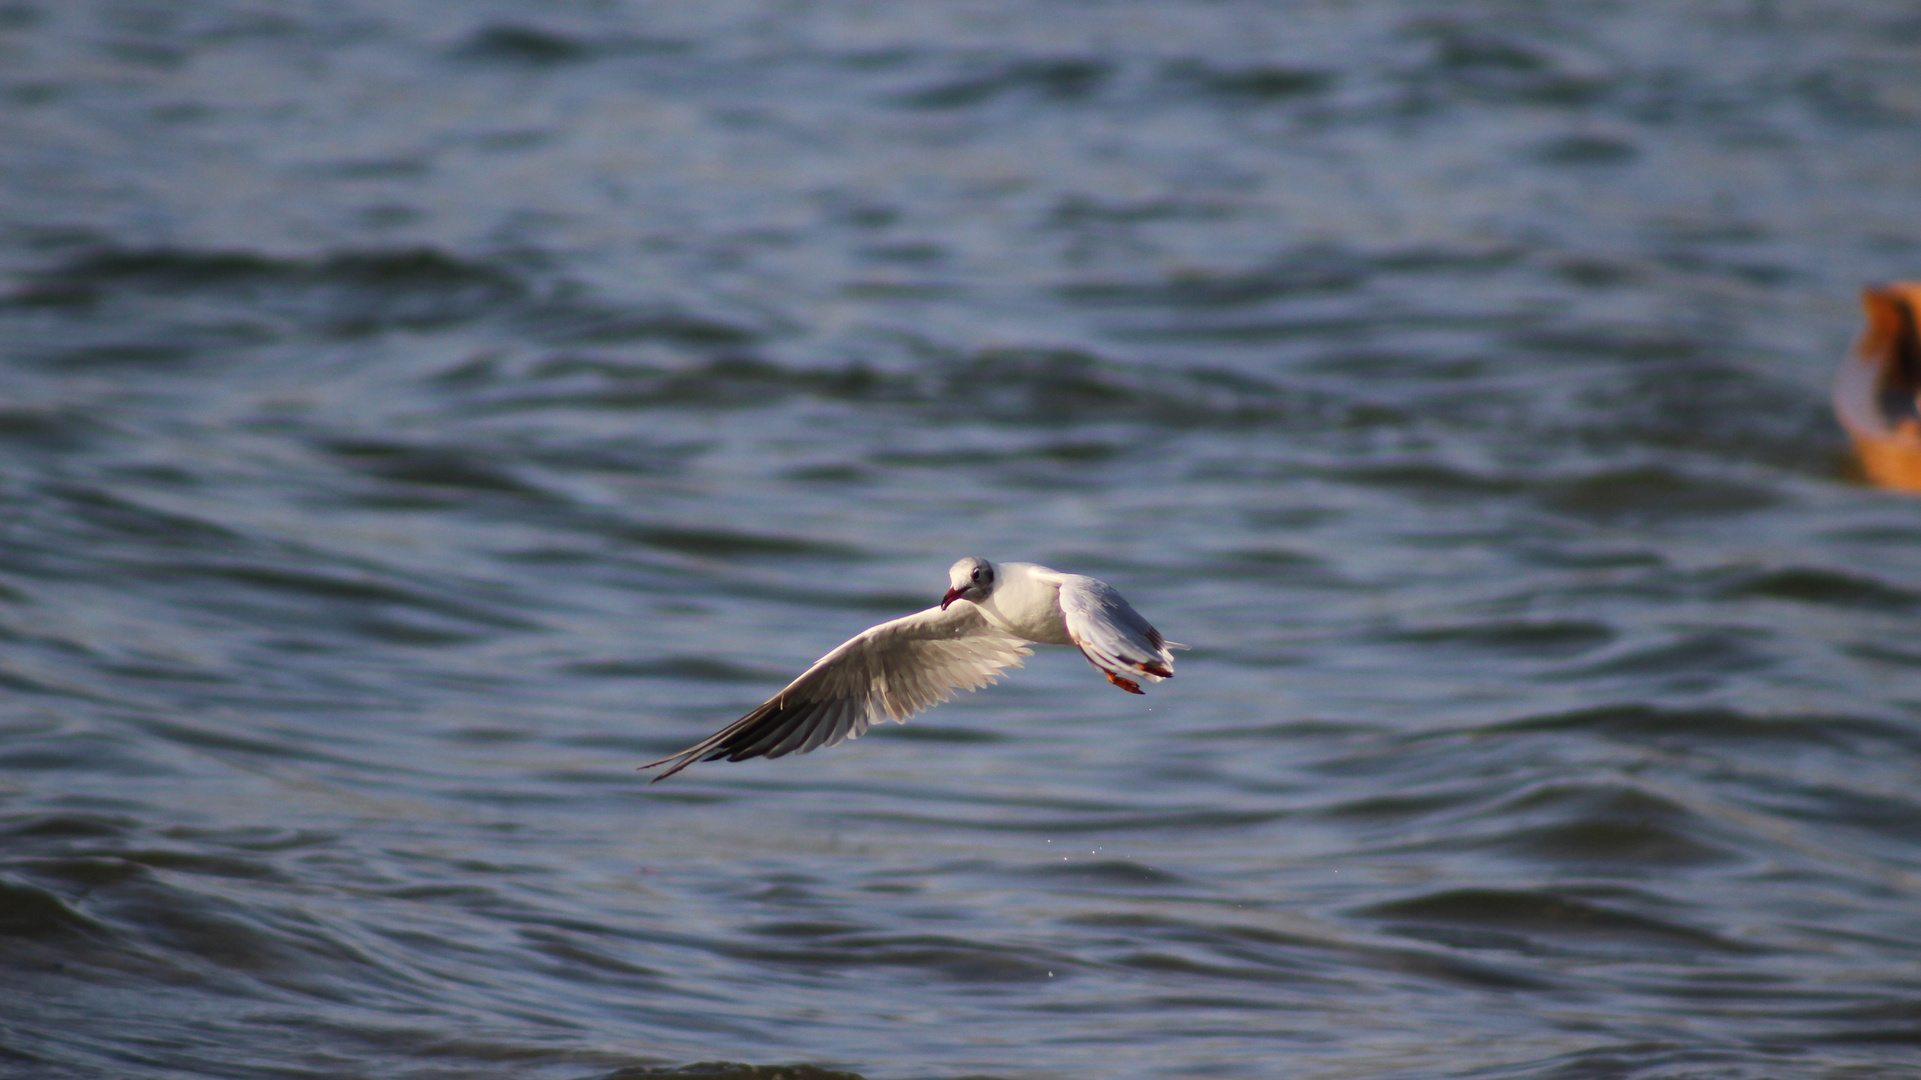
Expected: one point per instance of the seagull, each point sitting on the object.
(991, 613)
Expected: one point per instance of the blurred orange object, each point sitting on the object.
(1875, 392)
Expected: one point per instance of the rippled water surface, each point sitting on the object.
(414, 416)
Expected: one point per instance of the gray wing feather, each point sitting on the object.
(889, 672)
(830, 722)
(1112, 634)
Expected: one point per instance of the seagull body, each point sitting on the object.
(991, 613)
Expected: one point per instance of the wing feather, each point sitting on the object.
(1115, 637)
(817, 732)
(845, 725)
(767, 740)
(888, 672)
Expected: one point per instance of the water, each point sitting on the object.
(416, 416)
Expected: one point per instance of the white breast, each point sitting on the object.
(1027, 601)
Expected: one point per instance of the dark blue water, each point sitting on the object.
(414, 416)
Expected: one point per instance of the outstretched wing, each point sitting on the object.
(888, 672)
(1112, 634)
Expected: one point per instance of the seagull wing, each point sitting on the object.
(1112, 634)
(887, 672)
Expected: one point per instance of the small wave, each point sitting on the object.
(949, 958)
(1059, 386)
(1119, 822)
(68, 826)
(1277, 565)
(1888, 1023)
(1701, 406)
(29, 911)
(730, 381)
(1051, 388)
(1616, 844)
(573, 320)
(1814, 585)
(1256, 84)
(1631, 345)
(1069, 452)
(523, 45)
(1636, 722)
(431, 466)
(57, 429)
(1654, 1059)
(1524, 920)
(1315, 273)
(1007, 385)
(687, 668)
(519, 44)
(1056, 79)
(116, 513)
(1312, 271)
(921, 731)
(1655, 493)
(1586, 150)
(723, 543)
(1105, 872)
(731, 1070)
(1883, 654)
(201, 863)
(577, 956)
(354, 586)
(87, 872)
(1558, 638)
(1079, 211)
(1616, 825)
(93, 752)
(349, 293)
(1428, 479)
(1467, 62)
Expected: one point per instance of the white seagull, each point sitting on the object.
(991, 612)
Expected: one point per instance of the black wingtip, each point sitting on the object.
(680, 761)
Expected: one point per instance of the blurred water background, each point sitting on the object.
(413, 416)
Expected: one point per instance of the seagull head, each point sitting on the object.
(969, 579)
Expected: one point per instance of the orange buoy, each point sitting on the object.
(1875, 392)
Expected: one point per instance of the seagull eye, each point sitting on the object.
(977, 575)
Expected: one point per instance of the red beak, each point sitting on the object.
(952, 595)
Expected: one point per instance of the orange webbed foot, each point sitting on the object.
(1128, 685)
